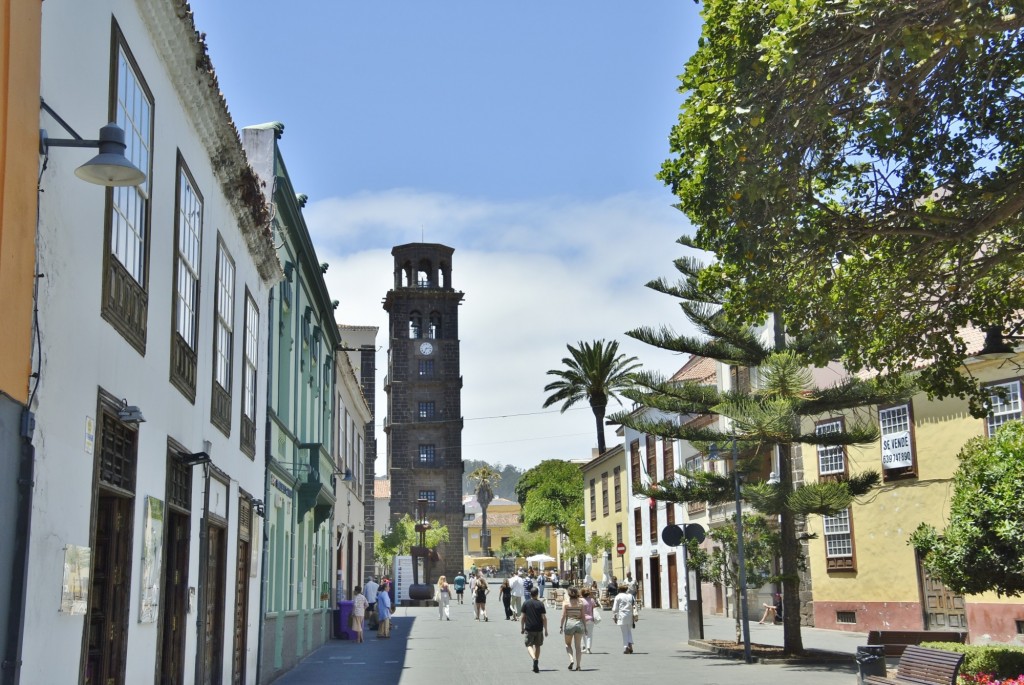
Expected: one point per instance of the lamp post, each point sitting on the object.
(739, 550)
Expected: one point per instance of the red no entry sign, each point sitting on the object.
(620, 548)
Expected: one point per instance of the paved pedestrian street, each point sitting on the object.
(425, 651)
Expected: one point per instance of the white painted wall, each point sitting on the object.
(646, 549)
(81, 352)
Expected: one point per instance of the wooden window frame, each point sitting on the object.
(638, 526)
(617, 478)
(668, 458)
(1020, 398)
(125, 298)
(184, 353)
(250, 375)
(431, 497)
(905, 471)
(604, 492)
(427, 410)
(651, 443)
(593, 499)
(223, 323)
(634, 463)
(818, 450)
(840, 563)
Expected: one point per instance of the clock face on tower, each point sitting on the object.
(426, 348)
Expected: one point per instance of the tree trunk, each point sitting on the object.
(599, 420)
(792, 640)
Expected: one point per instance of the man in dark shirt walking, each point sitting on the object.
(534, 624)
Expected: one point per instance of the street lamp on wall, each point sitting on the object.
(110, 167)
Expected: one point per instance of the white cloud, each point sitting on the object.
(536, 276)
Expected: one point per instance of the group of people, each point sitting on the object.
(478, 589)
(373, 602)
(521, 596)
(580, 614)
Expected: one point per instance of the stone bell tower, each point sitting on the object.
(424, 394)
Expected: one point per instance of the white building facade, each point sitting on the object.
(354, 418)
(658, 568)
(145, 541)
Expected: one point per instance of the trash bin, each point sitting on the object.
(870, 661)
(342, 628)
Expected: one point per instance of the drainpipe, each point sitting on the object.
(264, 555)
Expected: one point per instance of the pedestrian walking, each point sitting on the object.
(480, 591)
(533, 623)
(591, 616)
(384, 611)
(444, 595)
(622, 613)
(359, 607)
(516, 583)
(505, 594)
(541, 582)
(460, 585)
(613, 587)
(572, 627)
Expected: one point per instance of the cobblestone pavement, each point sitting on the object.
(426, 651)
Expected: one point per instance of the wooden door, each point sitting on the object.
(213, 642)
(943, 609)
(175, 608)
(655, 583)
(108, 600)
(241, 622)
(673, 583)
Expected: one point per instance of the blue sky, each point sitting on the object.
(525, 135)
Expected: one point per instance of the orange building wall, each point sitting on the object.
(19, 166)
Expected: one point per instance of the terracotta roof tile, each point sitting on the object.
(503, 519)
(703, 370)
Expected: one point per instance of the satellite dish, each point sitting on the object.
(672, 535)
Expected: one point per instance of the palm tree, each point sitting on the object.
(484, 477)
(594, 373)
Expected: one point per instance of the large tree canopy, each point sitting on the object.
(982, 548)
(858, 167)
(551, 494)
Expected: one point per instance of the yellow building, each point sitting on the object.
(502, 521)
(19, 170)
(605, 508)
(865, 574)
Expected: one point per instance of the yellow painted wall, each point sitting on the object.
(605, 525)
(19, 165)
(884, 520)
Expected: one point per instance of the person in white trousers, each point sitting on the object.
(589, 607)
(444, 595)
(622, 613)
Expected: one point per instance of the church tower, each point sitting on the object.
(424, 394)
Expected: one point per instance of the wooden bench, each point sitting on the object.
(921, 666)
(895, 641)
